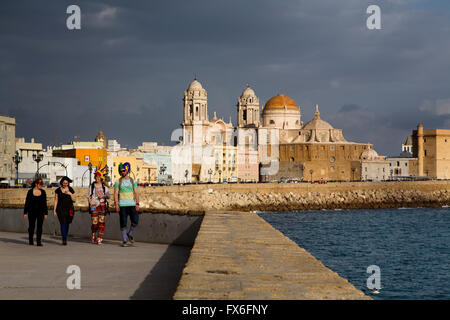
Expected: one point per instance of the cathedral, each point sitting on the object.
(267, 145)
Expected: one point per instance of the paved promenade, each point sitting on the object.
(238, 255)
(108, 271)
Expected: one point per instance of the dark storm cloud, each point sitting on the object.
(126, 69)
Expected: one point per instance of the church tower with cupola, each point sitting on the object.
(195, 120)
(195, 103)
(248, 109)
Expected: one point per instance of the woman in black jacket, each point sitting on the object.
(63, 207)
(36, 210)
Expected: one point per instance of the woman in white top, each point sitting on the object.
(98, 206)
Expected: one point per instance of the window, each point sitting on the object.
(425, 152)
(87, 158)
(332, 148)
(332, 159)
(272, 122)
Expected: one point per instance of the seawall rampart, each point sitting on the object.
(195, 199)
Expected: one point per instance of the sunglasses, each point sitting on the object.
(123, 171)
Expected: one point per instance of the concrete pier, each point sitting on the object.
(238, 255)
(107, 272)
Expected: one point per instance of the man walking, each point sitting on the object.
(126, 199)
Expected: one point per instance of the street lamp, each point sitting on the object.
(210, 173)
(311, 172)
(107, 174)
(90, 173)
(186, 173)
(38, 158)
(17, 159)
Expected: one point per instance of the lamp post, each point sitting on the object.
(162, 169)
(38, 158)
(186, 173)
(90, 173)
(17, 159)
(311, 172)
(106, 174)
(210, 173)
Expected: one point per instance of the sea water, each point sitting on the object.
(410, 246)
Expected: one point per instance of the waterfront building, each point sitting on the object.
(86, 152)
(141, 172)
(160, 158)
(203, 139)
(408, 145)
(181, 158)
(373, 166)
(28, 166)
(312, 152)
(247, 136)
(113, 150)
(7, 149)
(402, 167)
(284, 148)
(431, 147)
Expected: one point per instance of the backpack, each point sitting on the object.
(104, 192)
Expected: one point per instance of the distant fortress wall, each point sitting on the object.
(195, 199)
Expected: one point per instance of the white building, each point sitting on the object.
(7, 149)
(373, 166)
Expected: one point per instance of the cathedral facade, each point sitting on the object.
(267, 145)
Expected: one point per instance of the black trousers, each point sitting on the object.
(35, 220)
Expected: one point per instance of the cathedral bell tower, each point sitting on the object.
(248, 109)
(195, 118)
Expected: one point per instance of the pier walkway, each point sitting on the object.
(107, 271)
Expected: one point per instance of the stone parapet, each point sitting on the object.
(195, 199)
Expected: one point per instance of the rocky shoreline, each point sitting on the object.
(195, 199)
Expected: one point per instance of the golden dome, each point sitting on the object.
(280, 102)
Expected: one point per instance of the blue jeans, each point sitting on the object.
(124, 212)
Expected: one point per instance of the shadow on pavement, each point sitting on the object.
(162, 282)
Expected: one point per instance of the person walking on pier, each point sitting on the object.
(36, 210)
(126, 200)
(63, 207)
(98, 204)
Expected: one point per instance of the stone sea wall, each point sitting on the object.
(195, 199)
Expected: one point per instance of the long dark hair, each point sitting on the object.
(35, 182)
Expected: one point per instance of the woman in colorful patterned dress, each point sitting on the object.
(97, 197)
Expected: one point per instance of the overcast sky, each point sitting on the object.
(126, 70)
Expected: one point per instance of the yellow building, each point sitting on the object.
(85, 152)
(432, 149)
(224, 166)
(141, 172)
